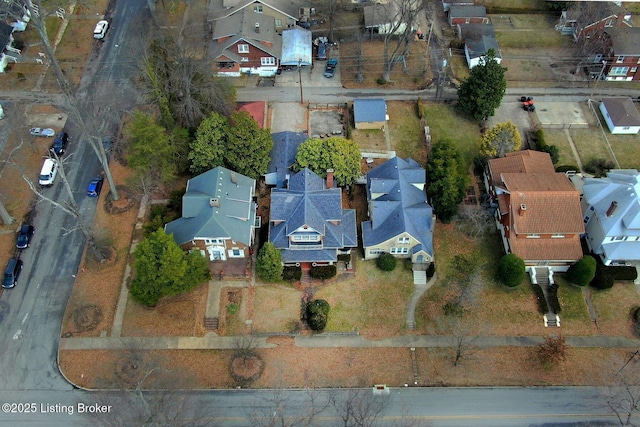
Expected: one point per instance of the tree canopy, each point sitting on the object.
(582, 272)
(481, 93)
(239, 144)
(341, 155)
(269, 263)
(447, 179)
(511, 270)
(162, 268)
(501, 139)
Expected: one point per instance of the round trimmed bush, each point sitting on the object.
(511, 270)
(386, 262)
(602, 280)
(317, 314)
(583, 271)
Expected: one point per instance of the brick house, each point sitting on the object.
(621, 53)
(538, 210)
(218, 216)
(587, 20)
(245, 42)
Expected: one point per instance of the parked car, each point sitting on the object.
(11, 273)
(322, 51)
(330, 68)
(100, 30)
(48, 172)
(24, 236)
(95, 186)
(60, 143)
(42, 132)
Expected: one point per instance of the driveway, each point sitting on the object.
(511, 110)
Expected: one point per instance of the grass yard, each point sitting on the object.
(277, 308)
(370, 139)
(528, 31)
(574, 316)
(444, 122)
(407, 138)
(589, 144)
(373, 301)
(626, 149)
(558, 137)
(613, 308)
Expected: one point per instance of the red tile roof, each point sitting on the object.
(526, 161)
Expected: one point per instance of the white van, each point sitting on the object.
(48, 172)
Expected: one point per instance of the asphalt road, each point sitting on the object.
(513, 407)
(31, 314)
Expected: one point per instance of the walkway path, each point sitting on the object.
(418, 291)
(573, 149)
(212, 341)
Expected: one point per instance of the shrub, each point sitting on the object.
(583, 271)
(381, 81)
(269, 263)
(602, 279)
(599, 167)
(317, 314)
(232, 308)
(323, 272)
(553, 152)
(553, 298)
(635, 317)
(386, 262)
(344, 257)
(452, 308)
(431, 270)
(292, 274)
(511, 270)
(421, 110)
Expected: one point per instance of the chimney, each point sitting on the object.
(329, 178)
(214, 203)
(522, 209)
(233, 178)
(257, 27)
(612, 209)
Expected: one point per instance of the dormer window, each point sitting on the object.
(404, 240)
(243, 48)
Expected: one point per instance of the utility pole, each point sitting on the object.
(600, 74)
(300, 79)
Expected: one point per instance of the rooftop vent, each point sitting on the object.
(214, 202)
(522, 209)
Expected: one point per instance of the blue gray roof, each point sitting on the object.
(369, 110)
(5, 35)
(308, 207)
(398, 204)
(283, 154)
(218, 204)
(296, 47)
(623, 187)
(467, 12)
(479, 38)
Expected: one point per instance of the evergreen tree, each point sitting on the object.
(481, 93)
(269, 263)
(447, 179)
(248, 146)
(207, 150)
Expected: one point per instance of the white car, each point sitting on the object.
(42, 132)
(48, 172)
(101, 30)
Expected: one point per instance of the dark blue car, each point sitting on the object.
(24, 236)
(60, 143)
(95, 186)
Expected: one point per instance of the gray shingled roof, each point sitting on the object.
(479, 38)
(622, 111)
(242, 27)
(234, 218)
(369, 110)
(467, 12)
(307, 202)
(402, 208)
(5, 35)
(283, 153)
(224, 8)
(625, 40)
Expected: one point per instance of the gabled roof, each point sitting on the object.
(400, 204)
(242, 27)
(622, 110)
(283, 153)
(224, 8)
(625, 40)
(467, 12)
(5, 35)
(232, 215)
(369, 110)
(526, 161)
(308, 203)
(479, 38)
(603, 10)
(296, 47)
(621, 186)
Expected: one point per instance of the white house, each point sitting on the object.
(478, 39)
(621, 115)
(611, 209)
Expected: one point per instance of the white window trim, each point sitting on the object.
(533, 236)
(267, 60)
(404, 240)
(399, 251)
(243, 48)
(231, 254)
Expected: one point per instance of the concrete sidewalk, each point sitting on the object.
(212, 341)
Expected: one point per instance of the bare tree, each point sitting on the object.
(589, 37)
(474, 222)
(621, 393)
(401, 16)
(359, 407)
(87, 126)
(279, 411)
(461, 335)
